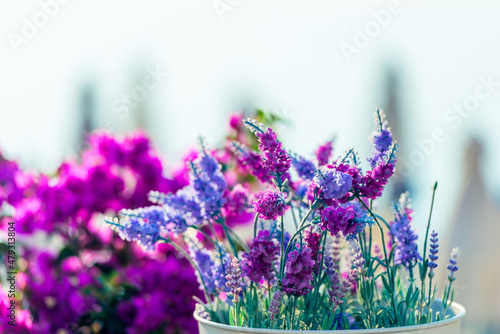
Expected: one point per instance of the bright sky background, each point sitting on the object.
(283, 56)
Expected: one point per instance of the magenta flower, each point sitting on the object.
(348, 219)
(270, 204)
(298, 275)
(236, 209)
(22, 318)
(324, 153)
(258, 263)
(275, 159)
(312, 241)
(374, 181)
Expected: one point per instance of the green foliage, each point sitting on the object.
(386, 294)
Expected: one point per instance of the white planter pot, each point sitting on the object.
(448, 326)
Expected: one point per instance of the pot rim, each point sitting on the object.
(459, 314)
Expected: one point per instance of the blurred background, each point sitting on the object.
(178, 69)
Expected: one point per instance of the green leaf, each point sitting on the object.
(386, 285)
(231, 318)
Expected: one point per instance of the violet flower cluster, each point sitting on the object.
(270, 204)
(258, 263)
(302, 277)
(73, 289)
(298, 273)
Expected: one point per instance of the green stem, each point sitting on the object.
(255, 220)
(424, 261)
(429, 221)
(282, 246)
(387, 266)
(238, 239)
(229, 238)
(295, 219)
(205, 234)
(301, 228)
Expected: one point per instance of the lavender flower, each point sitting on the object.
(381, 139)
(305, 168)
(181, 210)
(348, 219)
(203, 199)
(205, 264)
(333, 184)
(452, 267)
(406, 247)
(270, 204)
(337, 290)
(234, 280)
(276, 160)
(299, 267)
(433, 253)
(324, 153)
(142, 225)
(275, 305)
(382, 160)
(358, 260)
(212, 266)
(202, 312)
(209, 184)
(331, 259)
(258, 262)
(220, 267)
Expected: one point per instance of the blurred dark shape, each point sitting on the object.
(476, 229)
(88, 111)
(86, 118)
(394, 116)
(140, 110)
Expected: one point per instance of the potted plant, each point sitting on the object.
(335, 265)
